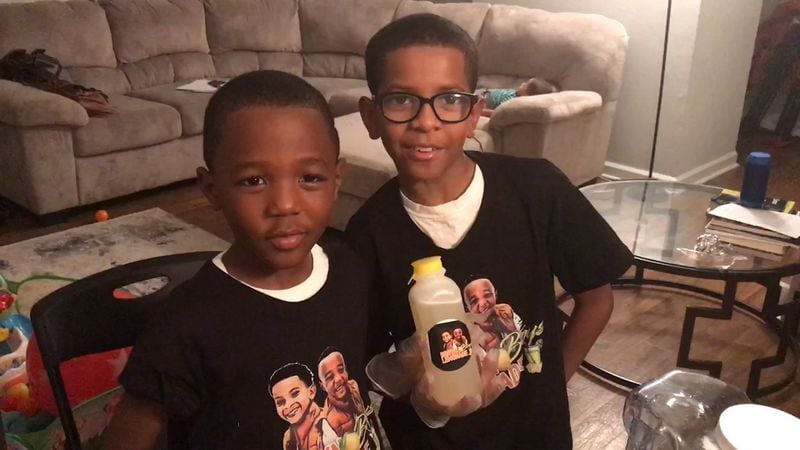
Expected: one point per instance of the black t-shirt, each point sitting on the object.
(238, 367)
(532, 224)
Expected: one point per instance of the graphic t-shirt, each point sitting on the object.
(244, 370)
(532, 224)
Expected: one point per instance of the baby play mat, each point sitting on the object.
(30, 270)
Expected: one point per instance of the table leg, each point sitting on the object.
(714, 368)
(784, 319)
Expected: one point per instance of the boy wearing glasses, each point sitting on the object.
(518, 221)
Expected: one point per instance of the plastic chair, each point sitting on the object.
(84, 317)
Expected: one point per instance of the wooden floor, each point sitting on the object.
(640, 342)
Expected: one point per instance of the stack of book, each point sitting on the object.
(765, 233)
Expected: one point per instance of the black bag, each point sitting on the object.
(29, 68)
(36, 69)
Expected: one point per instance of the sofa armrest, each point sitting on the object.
(544, 109)
(25, 106)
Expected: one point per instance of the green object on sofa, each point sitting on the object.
(54, 157)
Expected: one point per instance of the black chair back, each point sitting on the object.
(84, 318)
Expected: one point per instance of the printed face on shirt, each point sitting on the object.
(275, 179)
(292, 398)
(458, 334)
(480, 295)
(424, 149)
(446, 337)
(333, 376)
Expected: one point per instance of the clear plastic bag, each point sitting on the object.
(678, 411)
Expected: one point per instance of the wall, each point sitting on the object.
(710, 46)
(704, 89)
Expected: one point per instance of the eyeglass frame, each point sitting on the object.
(473, 98)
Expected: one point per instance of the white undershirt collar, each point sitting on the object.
(448, 223)
(300, 292)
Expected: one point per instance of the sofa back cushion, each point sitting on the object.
(159, 41)
(257, 25)
(165, 69)
(77, 33)
(578, 51)
(146, 28)
(246, 35)
(236, 62)
(107, 79)
(334, 38)
(469, 16)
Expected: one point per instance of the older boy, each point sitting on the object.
(206, 362)
(518, 221)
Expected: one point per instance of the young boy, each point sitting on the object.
(517, 221)
(533, 86)
(222, 358)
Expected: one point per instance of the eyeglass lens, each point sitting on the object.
(448, 107)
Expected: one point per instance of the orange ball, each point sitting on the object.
(101, 215)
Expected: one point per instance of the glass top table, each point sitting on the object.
(660, 222)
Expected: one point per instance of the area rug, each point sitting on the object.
(31, 269)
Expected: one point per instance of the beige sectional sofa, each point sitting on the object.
(53, 156)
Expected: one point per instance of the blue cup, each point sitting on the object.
(756, 177)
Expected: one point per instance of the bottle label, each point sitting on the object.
(450, 344)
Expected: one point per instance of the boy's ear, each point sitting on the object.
(370, 116)
(339, 174)
(206, 182)
(472, 120)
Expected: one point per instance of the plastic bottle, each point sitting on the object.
(438, 312)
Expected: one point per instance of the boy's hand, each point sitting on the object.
(402, 374)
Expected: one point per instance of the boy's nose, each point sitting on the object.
(426, 119)
(283, 200)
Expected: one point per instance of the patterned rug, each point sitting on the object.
(31, 269)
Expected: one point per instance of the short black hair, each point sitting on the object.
(291, 370)
(260, 88)
(418, 30)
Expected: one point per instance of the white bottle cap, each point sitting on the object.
(757, 427)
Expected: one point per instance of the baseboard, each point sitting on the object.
(615, 171)
(698, 175)
(711, 169)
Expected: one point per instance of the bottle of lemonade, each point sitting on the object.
(440, 317)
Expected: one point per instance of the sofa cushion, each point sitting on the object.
(368, 164)
(145, 28)
(468, 16)
(345, 28)
(259, 25)
(164, 69)
(338, 65)
(329, 86)
(113, 174)
(233, 63)
(346, 101)
(76, 33)
(134, 123)
(190, 105)
(106, 79)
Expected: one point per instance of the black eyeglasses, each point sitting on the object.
(448, 107)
